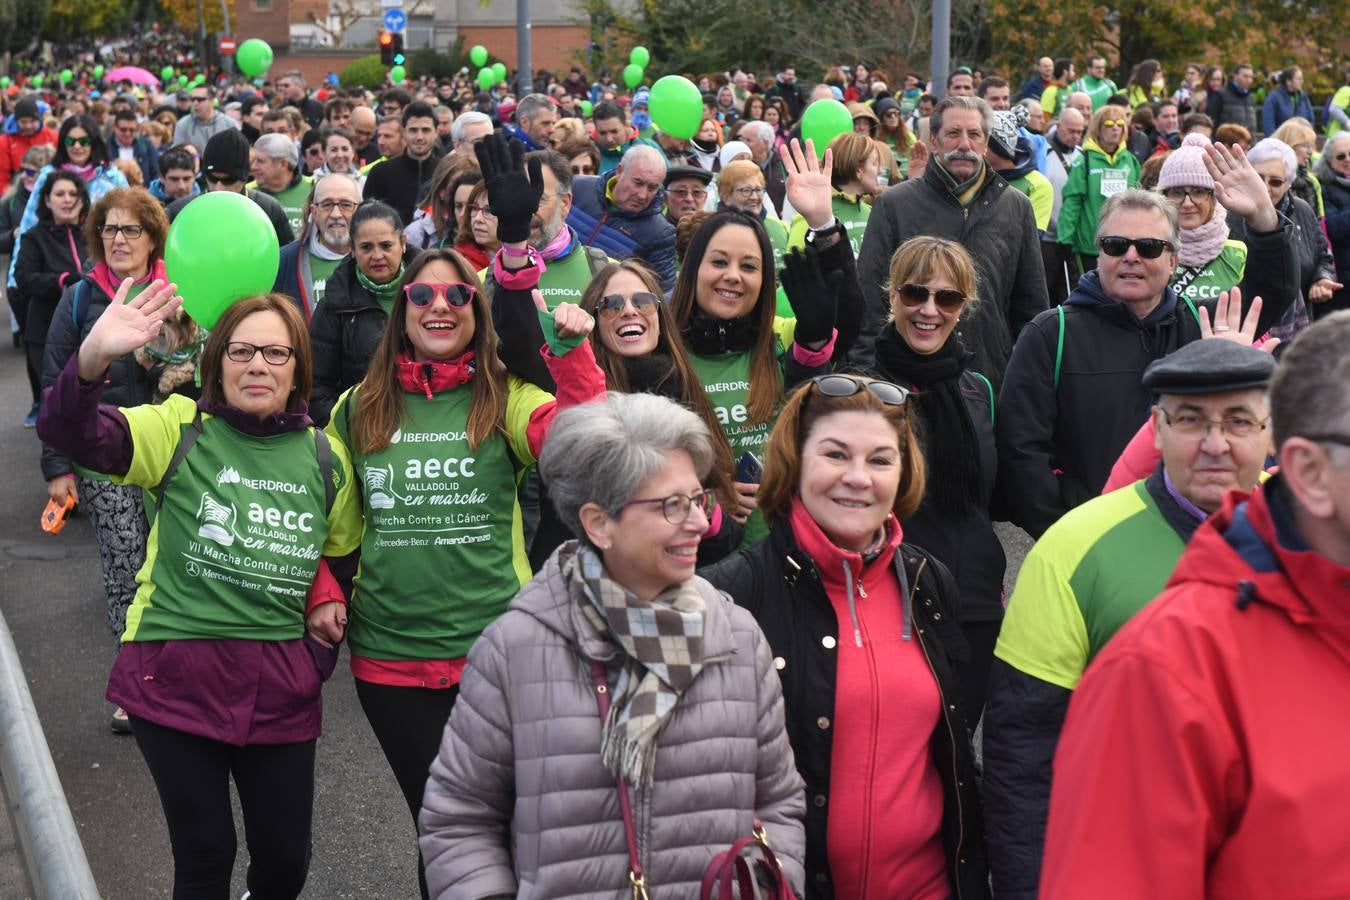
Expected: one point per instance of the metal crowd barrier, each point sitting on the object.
(53, 855)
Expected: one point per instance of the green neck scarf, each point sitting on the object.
(384, 293)
(963, 191)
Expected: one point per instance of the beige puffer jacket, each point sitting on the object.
(519, 803)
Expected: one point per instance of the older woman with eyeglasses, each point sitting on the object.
(740, 185)
(1207, 183)
(439, 434)
(1104, 168)
(865, 632)
(571, 717)
(1333, 171)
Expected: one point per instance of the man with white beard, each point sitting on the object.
(307, 262)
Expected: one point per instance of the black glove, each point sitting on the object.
(512, 197)
(813, 295)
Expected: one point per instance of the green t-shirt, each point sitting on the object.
(234, 548)
(292, 199)
(443, 547)
(1203, 284)
(1098, 89)
(1084, 579)
(320, 270)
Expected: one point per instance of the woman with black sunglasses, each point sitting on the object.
(932, 287)
(438, 434)
(865, 631)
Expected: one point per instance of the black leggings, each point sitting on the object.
(974, 676)
(408, 722)
(276, 792)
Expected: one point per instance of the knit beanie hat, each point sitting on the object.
(227, 153)
(26, 108)
(1185, 166)
(1003, 137)
(732, 149)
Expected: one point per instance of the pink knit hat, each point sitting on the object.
(1185, 166)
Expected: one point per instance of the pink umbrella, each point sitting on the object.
(134, 74)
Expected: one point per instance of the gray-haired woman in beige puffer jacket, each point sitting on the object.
(522, 799)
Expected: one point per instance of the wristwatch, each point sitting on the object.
(823, 237)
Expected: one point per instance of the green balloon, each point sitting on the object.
(478, 55)
(67, 76)
(221, 248)
(4, 81)
(166, 73)
(37, 81)
(486, 78)
(632, 75)
(254, 57)
(182, 80)
(585, 106)
(397, 74)
(98, 71)
(676, 106)
(640, 57)
(499, 69)
(823, 121)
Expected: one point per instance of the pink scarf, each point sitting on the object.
(1199, 246)
(110, 282)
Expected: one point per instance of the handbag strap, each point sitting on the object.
(636, 877)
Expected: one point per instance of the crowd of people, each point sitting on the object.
(652, 482)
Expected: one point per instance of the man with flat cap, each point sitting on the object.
(1098, 566)
(686, 191)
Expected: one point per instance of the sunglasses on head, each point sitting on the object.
(1148, 248)
(78, 142)
(612, 305)
(424, 293)
(913, 295)
(847, 386)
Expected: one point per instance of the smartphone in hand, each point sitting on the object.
(749, 469)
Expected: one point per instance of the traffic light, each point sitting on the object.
(397, 49)
(387, 48)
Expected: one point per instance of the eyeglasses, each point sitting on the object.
(1113, 123)
(130, 232)
(747, 193)
(330, 205)
(847, 386)
(1342, 157)
(1148, 248)
(219, 178)
(272, 354)
(1196, 195)
(78, 141)
(1273, 182)
(27, 172)
(689, 193)
(1195, 425)
(612, 305)
(913, 295)
(201, 99)
(424, 293)
(676, 507)
(477, 211)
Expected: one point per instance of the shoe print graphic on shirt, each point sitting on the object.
(215, 521)
(379, 487)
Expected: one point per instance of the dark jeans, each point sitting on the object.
(276, 792)
(982, 636)
(408, 722)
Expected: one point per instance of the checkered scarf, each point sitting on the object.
(662, 640)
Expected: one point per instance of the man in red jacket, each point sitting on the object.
(1204, 751)
(30, 134)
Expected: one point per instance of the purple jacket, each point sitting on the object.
(236, 691)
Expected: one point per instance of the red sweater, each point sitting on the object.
(884, 832)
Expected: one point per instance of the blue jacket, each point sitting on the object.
(143, 152)
(515, 131)
(1282, 105)
(644, 235)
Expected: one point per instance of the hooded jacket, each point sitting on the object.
(1215, 711)
(1025, 175)
(1233, 105)
(519, 801)
(645, 235)
(1072, 398)
(1094, 175)
(999, 230)
(51, 258)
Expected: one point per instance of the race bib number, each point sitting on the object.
(1113, 182)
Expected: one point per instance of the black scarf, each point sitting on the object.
(710, 336)
(654, 373)
(952, 452)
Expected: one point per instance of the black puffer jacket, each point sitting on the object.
(346, 329)
(1059, 433)
(50, 257)
(129, 383)
(778, 583)
(999, 230)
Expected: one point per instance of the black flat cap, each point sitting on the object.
(1210, 366)
(674, 173)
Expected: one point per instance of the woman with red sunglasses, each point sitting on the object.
(932, 288)
(438, 434)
